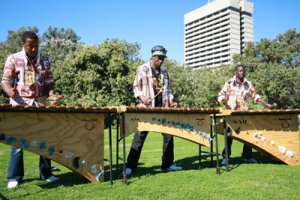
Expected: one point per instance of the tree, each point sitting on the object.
(58, 43)
(273, 66)
(99, 75)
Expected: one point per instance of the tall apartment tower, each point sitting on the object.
(217, 31)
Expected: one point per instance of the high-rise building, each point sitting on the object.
(215, 32)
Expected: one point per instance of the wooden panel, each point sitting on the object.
(194, 127)
(74, 140)
(276, 134)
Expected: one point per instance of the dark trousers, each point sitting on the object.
(137, 145)
(247, 151)
(16, 166)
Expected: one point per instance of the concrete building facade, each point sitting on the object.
(215, 32)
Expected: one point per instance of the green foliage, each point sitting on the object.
(58, 43)
(273, 67)
(98, 75)
(197, 88)
(103, 74)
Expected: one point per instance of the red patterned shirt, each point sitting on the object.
(144, 85)
(237, 95)
(29, 78)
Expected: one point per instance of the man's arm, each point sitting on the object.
(257, 97)
(137, 87)
(267, 105)
(8, 77)
(223, 96)
(8, 89)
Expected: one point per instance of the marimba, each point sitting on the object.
(192, 124)
(272, 132)
(74, 136)
(71, 136)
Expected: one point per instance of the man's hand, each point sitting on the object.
(267, 105)
(11, 92)
(146, 101)
(54, 99)
(225, 99)
(8, 89)
(173, 104)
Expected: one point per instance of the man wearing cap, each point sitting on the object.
(151, 86)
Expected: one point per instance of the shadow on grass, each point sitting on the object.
(188, 163)
(67, 179)
(193, 163)
(3, 197)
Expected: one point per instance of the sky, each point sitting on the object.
(146, 22)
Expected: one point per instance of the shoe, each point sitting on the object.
(174, 168)
(52, 179)
(224, 161)
(55, 169)
(12, 184)
(128, 171)
(251, 160)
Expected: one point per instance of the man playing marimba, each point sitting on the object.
(152, 88)
(235, 95)
(28, 80)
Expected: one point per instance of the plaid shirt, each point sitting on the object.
(143, 85)
(237, 94)
(28, 78)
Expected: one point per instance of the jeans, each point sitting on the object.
(16, 166)
(137, 145)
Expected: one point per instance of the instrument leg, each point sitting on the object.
(110, 150)
(200, 156)
(124, 149)
(117, 144)
(225, 142)
(217, 144)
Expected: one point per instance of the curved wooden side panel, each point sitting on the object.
(74, 140)
(275, 134)
(194, 127)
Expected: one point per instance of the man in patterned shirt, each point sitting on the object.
(235, 95)
(151, 86)
(28, 80)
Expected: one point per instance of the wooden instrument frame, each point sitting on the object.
(272, 132)
(71, 136)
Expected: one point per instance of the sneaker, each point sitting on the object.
(251, 160)
(52, 179)
(12, 184)
(55, 169)
(224, 161)
(128, 171)
(174, 168)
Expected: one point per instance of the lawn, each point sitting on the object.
(265, 180)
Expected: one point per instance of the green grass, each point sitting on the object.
(266, 180)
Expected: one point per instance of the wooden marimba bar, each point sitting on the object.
(71, 136)
(273, 132)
